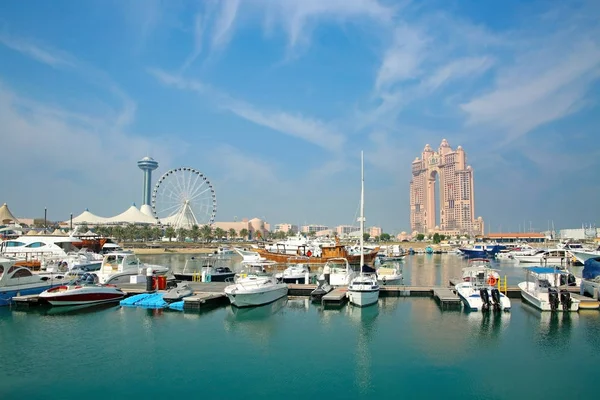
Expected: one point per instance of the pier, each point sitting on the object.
(211, 294)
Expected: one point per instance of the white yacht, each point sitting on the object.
(119, 267)
(16, 281)
(545, 257)
(297, 271)
(582, 255)
(38, 248)
(542, 289)
(337, 272)
(478, 289)
(255, 290)
(390, 274)
(364, 289)
(249, 255)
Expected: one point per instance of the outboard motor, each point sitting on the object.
(553, 299)
(565, 299)
(485, 297)
(496, 299)
(571, 281)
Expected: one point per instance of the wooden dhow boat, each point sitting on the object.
(327, 253)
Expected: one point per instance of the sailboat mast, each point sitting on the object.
(362, 211)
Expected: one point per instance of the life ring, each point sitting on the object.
(309, 253)
(492, 281)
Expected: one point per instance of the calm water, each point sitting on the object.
(403, 347)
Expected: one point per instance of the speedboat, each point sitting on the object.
(364, 289)
(582, 255)
(390, 275)
(545, 257)
(295, 272)
(590, 283)
(83, 291)
(337, 272)
(542, 289)
(478, 289)
(20, 281)
(481, 251)
(204, 269)
(249, 255)
(120, 267)
(225, 251)
(255, 290)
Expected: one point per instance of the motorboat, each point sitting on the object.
(390, 274)
(583, 255)
(321, 290)
(481, 250)
(225, 251)
(179, 292)
(478, 289)
(542, 289)
(296, 272)
(338, 272)
(82, 291)
(255, 290)
(20, 281)
(545, 257)
(249, 255)
(34, 249)
(120, 267)
(205, 269)
(363, 289)
(80, 260)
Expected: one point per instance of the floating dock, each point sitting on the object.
(446, 297)
(336, 298)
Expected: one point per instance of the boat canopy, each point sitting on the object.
(545, 270)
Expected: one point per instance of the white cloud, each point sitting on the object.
(225, 23)
(467, 67)
(199, 26)
(402, 61)
(52, 57)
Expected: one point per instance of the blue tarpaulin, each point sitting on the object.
(178, 306)
(591, 268)
(145, 300)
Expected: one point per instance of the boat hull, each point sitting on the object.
(363, 298)
(328, 254)
(81, 296)
(213, 277)
(253, 298)
(540, 299)
(472, 299)
(7, 293)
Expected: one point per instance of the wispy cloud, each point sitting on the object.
(199, 28)
(225, 23)
(296, 125)
(52, 57)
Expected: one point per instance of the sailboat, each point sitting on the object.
(364, 289)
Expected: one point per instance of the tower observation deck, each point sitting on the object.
(147, 164)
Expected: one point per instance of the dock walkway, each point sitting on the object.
(337, 297)
(446, 296)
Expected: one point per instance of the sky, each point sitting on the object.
(274, 100)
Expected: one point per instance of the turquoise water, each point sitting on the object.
(404, 347)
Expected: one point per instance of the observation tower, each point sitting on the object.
(147, 164)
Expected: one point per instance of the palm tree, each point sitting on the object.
(195, 233)
(206, 232)
(182, 234)
(146, 232)
(132, 232)
(119, 233)
(170, 232)
(232, 233)
(156, 233)
(220, 234)
(244, 234)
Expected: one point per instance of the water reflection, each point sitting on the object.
(254, 322)
(554, 327)
(81, 309)
(365, 319)
(487, 326)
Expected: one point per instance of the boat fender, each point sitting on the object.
(384, 280)
(491, 281)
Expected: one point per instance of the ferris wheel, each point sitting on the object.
(184, 197)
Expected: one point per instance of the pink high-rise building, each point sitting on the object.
(456, 197)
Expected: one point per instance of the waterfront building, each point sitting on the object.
(285, 228)
(313, 228)
(456, 197)
(374, 231)
(147, 164)
(511, 237)
(583, 233)
(343, 230)
(6, 217)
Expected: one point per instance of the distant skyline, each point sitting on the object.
(274, 101)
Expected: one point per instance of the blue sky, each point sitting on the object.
(274, 100)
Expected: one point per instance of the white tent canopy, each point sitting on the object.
(88, 218)
(132, 216)
(6, 216)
